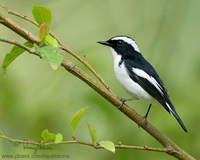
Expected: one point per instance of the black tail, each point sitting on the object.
(179, 121)
(173, 111)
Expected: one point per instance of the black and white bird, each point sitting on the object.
(137, 75)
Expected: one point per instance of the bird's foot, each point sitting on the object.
(145, 119)
(124, 100)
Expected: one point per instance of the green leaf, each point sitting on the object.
(13, 54)
(59, 138)
(50, 55)
(76, 118)
(51, 41)
(93, 133)
(1, 133)
(47, 137)
(41, 15)
(108, 145)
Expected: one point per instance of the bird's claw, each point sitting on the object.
(145, 119)
(123, 101)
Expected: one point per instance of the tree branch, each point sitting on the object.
(16, 142)
(18, 29)
(14, 42)
(172, 148)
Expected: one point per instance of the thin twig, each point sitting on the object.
(18, 15)
(16, 142)
(141, 148)
(14, 42)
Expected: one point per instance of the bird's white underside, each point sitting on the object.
(134, 89)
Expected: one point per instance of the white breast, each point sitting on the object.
(122, 75)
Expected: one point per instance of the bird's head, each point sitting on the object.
(122, 45)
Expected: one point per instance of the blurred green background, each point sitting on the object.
(33, 97)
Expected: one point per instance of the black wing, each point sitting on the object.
(160, 95)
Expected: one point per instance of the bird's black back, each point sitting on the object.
(132, 61)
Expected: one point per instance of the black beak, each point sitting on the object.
(106, 43)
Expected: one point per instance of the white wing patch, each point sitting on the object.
(129, 41)
(171, 111)
(143, 74)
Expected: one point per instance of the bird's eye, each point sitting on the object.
(119, 42)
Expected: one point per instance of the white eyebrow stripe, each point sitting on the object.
(129, 41)
(143, 74)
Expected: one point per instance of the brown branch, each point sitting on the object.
(84, 61)
(174, 150)
(142, 148)
(18, 29)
